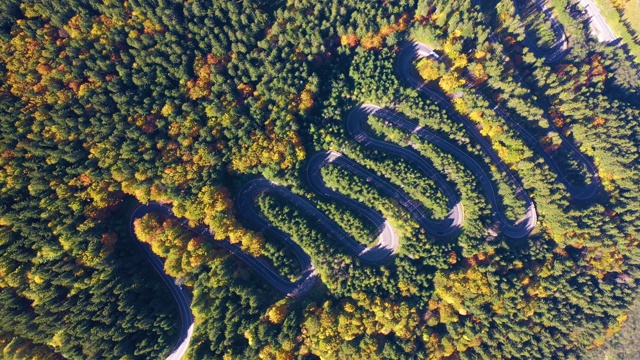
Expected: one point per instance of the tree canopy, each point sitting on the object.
(107, 104)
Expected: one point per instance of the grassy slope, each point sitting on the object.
(619, 27)
(632, 15)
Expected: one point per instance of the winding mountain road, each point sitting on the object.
(517, 230)
(443, 228)
(581, 193)
(560, 48)
(386, 246)
(258, 265)
(388, 241)
(291, 289)
(406, 71)
(179, 295)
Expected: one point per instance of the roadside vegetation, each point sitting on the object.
(623, 17)
(631, 17)
(537, 24)
(184, 251)
(184, 102)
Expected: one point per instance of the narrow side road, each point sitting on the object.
(295, 289)
(179, 295)
(581, 193)
(517, 230)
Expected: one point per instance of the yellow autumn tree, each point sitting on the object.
(458, 60)
(306, 100)
(182, 250)
(479, 73)
(349, 40)
(604, 260)
(428, 69)
(278, 312)
(200, 86)
(461, 106)
(619, 4)
(214, 207)
(450, 82)
(268, 148)
(363, 319)
(245, 90)
(455, 289)
(372, 41)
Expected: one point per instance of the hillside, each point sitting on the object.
(325, 179)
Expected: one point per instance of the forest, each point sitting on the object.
(107, 105)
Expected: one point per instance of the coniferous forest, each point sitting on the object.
(326, 179)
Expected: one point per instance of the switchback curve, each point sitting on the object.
(522, 227)
(589, 191)
(560, 48)
(387, 242)
(182, 299)
(519, 229)
(443, 228)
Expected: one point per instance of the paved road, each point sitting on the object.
(181, 298)
(262, 268)
(582, 193)
(560, 48)
(577, 192)
(449, 226)
(522, 227)
(387, 242)
(599, 26)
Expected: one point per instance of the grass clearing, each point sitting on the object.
(632, 16)
(613, 18)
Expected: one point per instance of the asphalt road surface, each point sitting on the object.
(266, 271)
(582, 193)
(518, 229)
(585, 192)
(447, 227)
(181, 298)
(599, 26)
(560, 48)
(387, 243)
